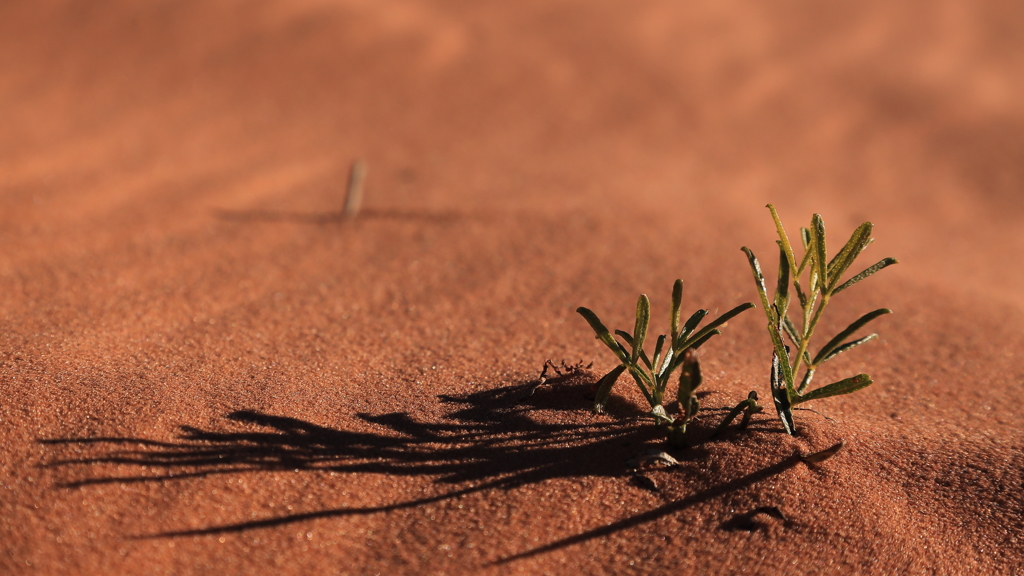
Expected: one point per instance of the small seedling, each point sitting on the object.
(652, 374)
(747, 407)
(824, 281)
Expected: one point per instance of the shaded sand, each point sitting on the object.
(205, 371)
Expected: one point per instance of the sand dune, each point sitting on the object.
(205, 370)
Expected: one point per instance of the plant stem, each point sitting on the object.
(808, 331)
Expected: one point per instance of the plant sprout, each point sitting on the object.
(747, 407)
(652, 374)
(824, 281)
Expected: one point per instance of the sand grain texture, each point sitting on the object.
(205, 370)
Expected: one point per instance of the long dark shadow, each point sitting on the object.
(661, 511)
(489, 440)
(352, 511)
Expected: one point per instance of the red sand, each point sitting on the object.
(204, 371)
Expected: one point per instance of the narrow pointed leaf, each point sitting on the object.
(848, 346)
(836, 388)
(759, 281)
(656, 361)
(782, 286)
(604, 388)
(849, 331)
(790, 329)
(805, 236)
(860, 236)
(643, 318)
(820, 252)
(666, 363)
(703, 339)
(677, 302)
(690, 326)
(787, 248)
(782, 351)
(719, 321)
(859, 240)
(781, 396)
(800, 294)
(868, 272)
(602, 333)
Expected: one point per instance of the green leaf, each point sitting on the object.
(718, 322)
(848, 346)
(604, 388)
(690, 326)
(643, 381)
(643, 318)
(629, 340)
(805, 236)
(700, 341)
(759, 281)
(782, 351)
(800, 294)
(666, 363)
(781, 396)
(603, 334)
(849, 331)
(790, 329)
(787, 248)
(868, 272)
(677, 302)
(836, 388)
(656, 361)
(782, 287)
(860, 238)
(820, 253)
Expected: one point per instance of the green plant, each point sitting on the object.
(824, 281)
(652, 374)
(748, 407)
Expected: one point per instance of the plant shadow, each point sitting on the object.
(338, 217)
(491, 440)
(496, 439)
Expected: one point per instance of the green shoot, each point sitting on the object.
(652, 373)
(747, 407)
(815, 280)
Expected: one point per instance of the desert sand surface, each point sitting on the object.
(206, 370)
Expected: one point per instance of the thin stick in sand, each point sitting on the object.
(354, 195)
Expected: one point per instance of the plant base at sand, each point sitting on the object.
(824, 280)
(653, 373)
